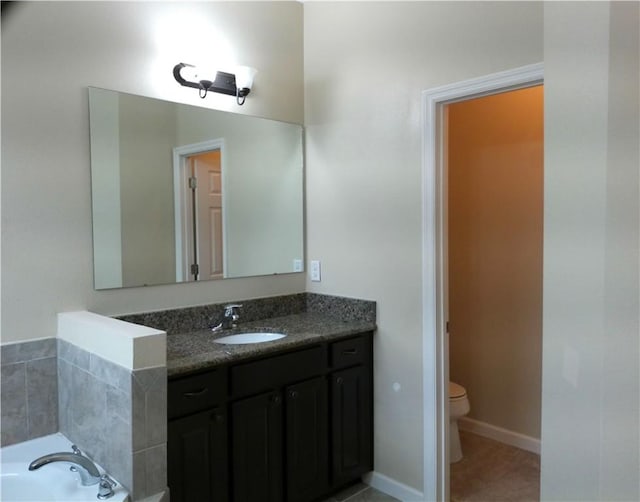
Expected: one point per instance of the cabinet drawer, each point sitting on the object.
(349, 352)
(197, 392)
(259, 376)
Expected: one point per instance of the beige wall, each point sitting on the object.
(51, 52)
(366, 64)
(495, 174)
(591, 347)
(365, 67)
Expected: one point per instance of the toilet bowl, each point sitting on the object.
(458, 407)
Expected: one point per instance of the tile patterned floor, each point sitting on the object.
(361, 493)
(489, 472)
(493, 472)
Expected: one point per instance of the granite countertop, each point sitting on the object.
(196, 350)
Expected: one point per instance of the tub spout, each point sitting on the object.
(89, 474)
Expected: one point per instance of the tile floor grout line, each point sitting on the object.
(364, 489)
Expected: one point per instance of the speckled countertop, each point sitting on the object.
(197, 350)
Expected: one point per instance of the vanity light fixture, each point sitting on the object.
(238, 84)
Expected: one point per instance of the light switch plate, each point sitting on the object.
(297, 265)
(315, 270)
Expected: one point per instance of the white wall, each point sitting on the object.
(591, 381)
(51, 52)
(366, 64)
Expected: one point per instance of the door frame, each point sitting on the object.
(435, 343)
(182, 207)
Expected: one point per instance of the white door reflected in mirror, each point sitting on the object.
(199, 207)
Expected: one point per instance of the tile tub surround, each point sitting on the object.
(189, 319)
(116, 415)
(29, 408)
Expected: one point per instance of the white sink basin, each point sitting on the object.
(242, 338)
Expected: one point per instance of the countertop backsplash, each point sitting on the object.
(184, 320)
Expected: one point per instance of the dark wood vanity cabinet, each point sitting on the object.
(290, 424)
(351, 424)
(256, 459)
(197, 452)
(290, 427)
(307, 440)
(197, 457)
(351, 409)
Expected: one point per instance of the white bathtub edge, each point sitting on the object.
(22, 454)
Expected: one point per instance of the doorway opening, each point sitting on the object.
(435, 263)
(199, 211)
(494, 208)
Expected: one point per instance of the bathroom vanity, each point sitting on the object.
(290, 419)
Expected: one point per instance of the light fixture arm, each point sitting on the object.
(241, 96)
(223, 83)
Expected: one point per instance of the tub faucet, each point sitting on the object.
(89, 474)
(230, 318)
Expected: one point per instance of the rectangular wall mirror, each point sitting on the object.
(183, 193)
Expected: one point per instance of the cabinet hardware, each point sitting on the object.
(339, 380)
(350, 352)
(196, 393)
(293, 394)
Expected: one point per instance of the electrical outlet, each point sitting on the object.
(297, 265)
(315, 270)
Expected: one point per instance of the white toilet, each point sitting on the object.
(458, 407)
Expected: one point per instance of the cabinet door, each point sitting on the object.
(256, 457)
(307, 440)
(352, 424)
(197, 457)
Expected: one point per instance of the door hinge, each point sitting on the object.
(193, 183)
(195, 269)
(446, 327)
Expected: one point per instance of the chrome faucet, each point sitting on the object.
(229, 319)
(89, 474)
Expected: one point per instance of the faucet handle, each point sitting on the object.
(76, 450)
(106, 486)
(230, 309)
(229, 317)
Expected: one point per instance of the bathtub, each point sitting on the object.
(51, 483)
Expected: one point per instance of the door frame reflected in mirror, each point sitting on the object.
(189, 229)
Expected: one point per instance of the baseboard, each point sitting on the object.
(392, 487)
(499, 434)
